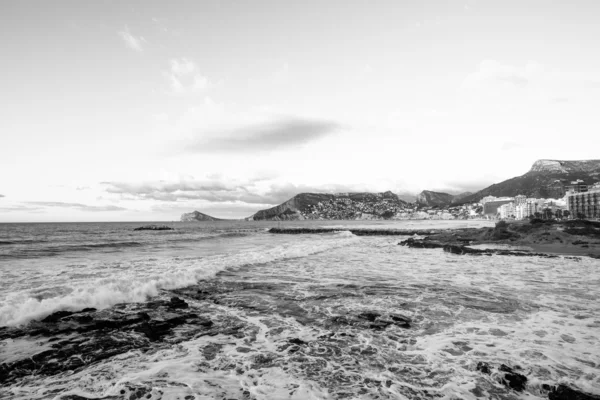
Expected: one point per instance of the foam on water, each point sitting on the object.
(301, 311)
(134, 280)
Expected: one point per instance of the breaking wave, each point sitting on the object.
(136, 281)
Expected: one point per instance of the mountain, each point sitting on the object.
(197, 216)
(545, 179)
(439, 199)
(335, 206)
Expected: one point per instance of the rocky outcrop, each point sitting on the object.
(334, 206)
(438, 199)
(197, 216)
(154, 228)
(566, 167)
(76, 339)
(545, 179)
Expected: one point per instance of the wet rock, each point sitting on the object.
(297, 341)
(513, 379)
(369, 316)
(454, 249)
(563, 392)
(154, 228)
(421, 244)
(401, 320)
(99, 335)
(56, 316)
(211, 350)
(176, 302)
(483, 367)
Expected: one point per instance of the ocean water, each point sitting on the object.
(315, 315)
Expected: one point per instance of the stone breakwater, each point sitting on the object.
(357, 232)
(463, 250)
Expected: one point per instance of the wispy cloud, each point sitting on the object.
(184, 76)
(286, 132)
(220, 190)
(134, 43)
(78, 206)
(20, 207)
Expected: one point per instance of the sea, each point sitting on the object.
(317, 316)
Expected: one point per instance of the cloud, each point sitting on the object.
(221, 190)
(78, 206)
(212, 190)
(20, 207)
(271, 135)
(1, 195)
(184, 76)
(134, 43)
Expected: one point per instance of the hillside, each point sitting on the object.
(335, 206)
(432, 199)
(545, 179)
(197, 216)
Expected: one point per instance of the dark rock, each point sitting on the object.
(563, 392)
(421, 244)
(483, 367)
(154, 228)
(56, 316)
(101, 335)
(454, 249)
(176, 302)
(297, 341)
(369, 316)
(513, 379)
(401, 320)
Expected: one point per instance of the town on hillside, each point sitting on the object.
(580, 201)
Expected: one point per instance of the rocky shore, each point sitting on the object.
(531, 238)
(66, 342)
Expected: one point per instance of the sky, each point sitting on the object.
(144, 110)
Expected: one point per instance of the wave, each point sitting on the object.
(50, 251)
(25, 241)
(138, 282)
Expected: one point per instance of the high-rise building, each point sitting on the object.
(577, 186)
(584, 204)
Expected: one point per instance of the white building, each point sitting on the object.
(506, 210)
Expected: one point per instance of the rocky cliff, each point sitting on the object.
(197, 216)
(545, 179)
(334, 206)
(432, 199)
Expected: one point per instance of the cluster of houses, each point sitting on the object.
(580, 201)
(346, 208)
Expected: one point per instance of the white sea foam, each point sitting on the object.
(135, 280)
